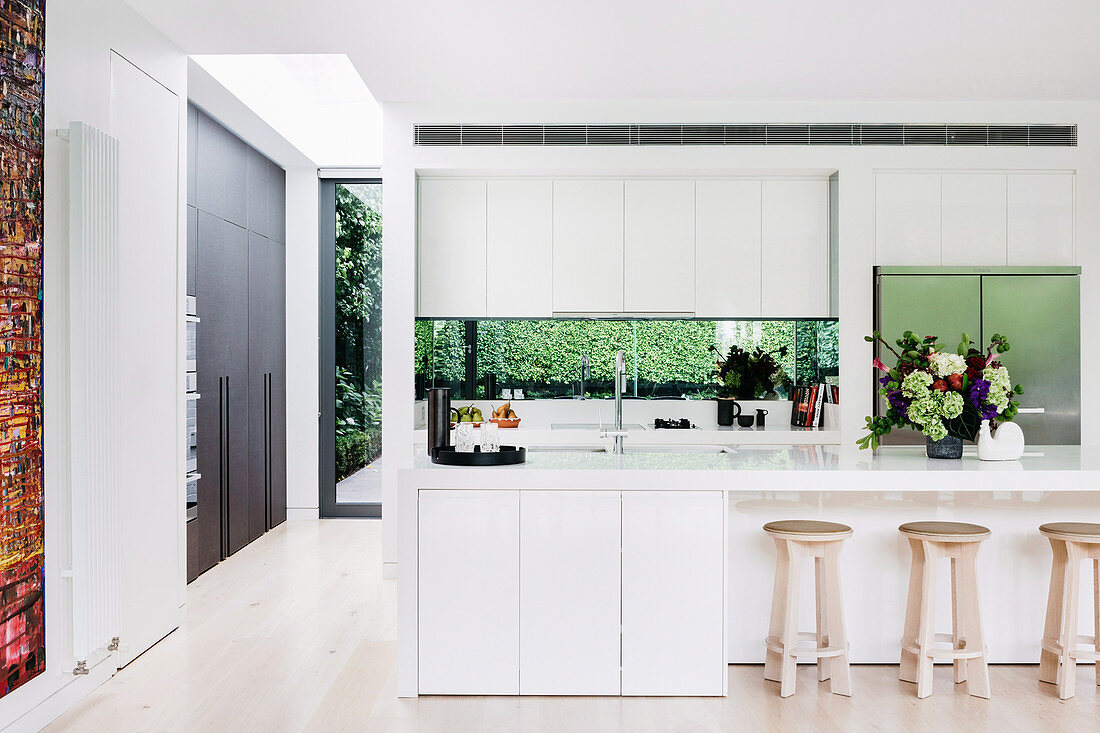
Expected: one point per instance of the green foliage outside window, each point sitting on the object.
(664, 357)
(358, 326)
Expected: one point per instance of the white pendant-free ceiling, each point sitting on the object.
(317, 102)
(647, 50)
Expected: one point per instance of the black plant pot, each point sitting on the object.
(728, 410)
(949, 447)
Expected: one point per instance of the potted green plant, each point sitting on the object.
(746, 375)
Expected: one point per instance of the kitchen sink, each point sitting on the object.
(676, 449)
(593, 426)
(567, 449)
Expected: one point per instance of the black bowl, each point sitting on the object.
(745, 421)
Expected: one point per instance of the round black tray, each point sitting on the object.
(509, 455)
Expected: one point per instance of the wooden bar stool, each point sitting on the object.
(931, 541)
(796, 539)
(1072, 542)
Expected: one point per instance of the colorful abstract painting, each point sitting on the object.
(22, 580)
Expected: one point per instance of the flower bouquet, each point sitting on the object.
(941, 393)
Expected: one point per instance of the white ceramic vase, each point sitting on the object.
(1007, 444)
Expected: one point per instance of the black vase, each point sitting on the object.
(949, 447)
(728, 410)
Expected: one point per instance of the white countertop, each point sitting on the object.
(776, 468)
(779, 435)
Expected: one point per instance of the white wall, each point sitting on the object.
(80, 35)
(855, 165)
(301, 343)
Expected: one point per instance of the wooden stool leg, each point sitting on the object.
(823, 663)
(1096, 613)
(958, 634)
(839, 667)
(977, 669)
(1052, 632)
(1067, 674)
(773, 661)
(789, 667)
(908, 670)
(926, 633)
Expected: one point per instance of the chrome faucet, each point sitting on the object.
(585, 373)
(620, 377)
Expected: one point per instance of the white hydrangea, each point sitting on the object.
(945, 364)
(916, 384)
(1000, 386)
(951, 404)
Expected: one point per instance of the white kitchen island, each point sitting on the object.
(554, 576)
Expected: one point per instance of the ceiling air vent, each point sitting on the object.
(788, 134)
(831, 135)
(878, 133)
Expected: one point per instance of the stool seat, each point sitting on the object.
(945, 531)
(808, 529)
(1087, 532)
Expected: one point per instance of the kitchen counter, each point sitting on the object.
(563, 493)
(771, 468)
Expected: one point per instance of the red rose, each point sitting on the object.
(975, 362)
(939, 385)
(956, 381)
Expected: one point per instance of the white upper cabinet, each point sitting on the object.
(588, 246)
(727, 249)
(974, 217)
(794, 267)
(520, 249)
(907, 218)
(451, 252)
(984, 219)
(659, 260)
(1040, 219)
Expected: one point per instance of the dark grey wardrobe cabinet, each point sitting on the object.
(236, 221)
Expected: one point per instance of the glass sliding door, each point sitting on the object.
(351, 348)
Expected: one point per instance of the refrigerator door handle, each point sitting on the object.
(1031, 410)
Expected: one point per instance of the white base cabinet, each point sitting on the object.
(469, 592)
(673, 593)
(569, 593)
(547, 592)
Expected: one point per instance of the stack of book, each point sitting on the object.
(807, 400)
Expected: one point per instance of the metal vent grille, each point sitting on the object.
(892, 133)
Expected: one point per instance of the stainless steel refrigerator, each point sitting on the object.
(1037, 308)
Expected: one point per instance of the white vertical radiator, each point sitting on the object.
(94, 357)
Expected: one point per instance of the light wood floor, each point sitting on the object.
(297, 633)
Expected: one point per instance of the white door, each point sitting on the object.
(975, 216)
(1040, 219)
(469, 592)
(907, 218)
(520, 249)
(794, 267)
(673, 593)
(727, 249)
(451, 251)
(588, 246)
(659, 259)
(145, 119)
(569, 593)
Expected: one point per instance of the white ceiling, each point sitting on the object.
(691, 49)
(316, 102)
